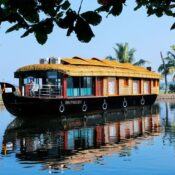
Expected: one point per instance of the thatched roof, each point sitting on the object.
(91, 67)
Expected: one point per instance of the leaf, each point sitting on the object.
(68, 20)
(62, 23)
(47, 26)
(70, 30)
(59, 15)
(15, 27)
(169, 13)
(27, 32)
(65, 5)
(59, 2)
(173, 27)
(3, 1)
(159, 12)
(103, 8)
(33, 17)
(117, 9)
(83, 30)
(92, 17)
(41, 37)
(139, 5)
(103, 2)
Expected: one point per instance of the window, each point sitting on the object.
(147, 86)
(53, 78)
(135, 87)
(76, 86)
(52, 75)
(111, 86)
(79, 86)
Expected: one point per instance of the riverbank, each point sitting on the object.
(1, 102)
(166, 97)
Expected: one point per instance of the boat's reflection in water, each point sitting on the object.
(77, 139)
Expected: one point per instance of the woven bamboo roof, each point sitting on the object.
(91, 67)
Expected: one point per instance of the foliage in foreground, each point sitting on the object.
(40, 16)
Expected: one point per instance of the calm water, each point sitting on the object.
(140, 141)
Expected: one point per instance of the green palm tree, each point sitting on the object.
(171, 60)
(165, 69)
(123, 53)
(126, 55)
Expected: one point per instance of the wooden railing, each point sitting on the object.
(41, 91)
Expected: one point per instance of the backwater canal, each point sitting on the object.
(139, 141)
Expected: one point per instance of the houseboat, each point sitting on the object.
(56, 86)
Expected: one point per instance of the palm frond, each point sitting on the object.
(141, 62)
(123, 53)
(161, 68)
(109, 57)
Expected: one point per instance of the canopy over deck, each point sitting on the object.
(89, 67)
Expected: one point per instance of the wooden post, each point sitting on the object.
(97, 136)
(65, 140)
(127, 133)
(118, 132)
(150, 123)
(64, 86)
(103, 135)
(21, 84)
(149, 86)
(140, 126)
(96, 86)
(117, 86)
(139, 87)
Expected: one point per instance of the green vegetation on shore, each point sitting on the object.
(1, 99)
(0, 96)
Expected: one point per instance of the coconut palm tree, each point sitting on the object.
(126, 55)
(123, 53)
(171, 60)
(164, 70)
(168, 66)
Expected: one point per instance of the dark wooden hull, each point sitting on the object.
(34, 106)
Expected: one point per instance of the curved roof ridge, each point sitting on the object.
(75, 61)
(98, 59)
(79, 58)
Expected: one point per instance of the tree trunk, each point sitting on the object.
(166, 84)
(165, 73)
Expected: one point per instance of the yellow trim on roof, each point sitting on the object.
(92, 67)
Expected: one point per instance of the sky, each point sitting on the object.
(148, 35)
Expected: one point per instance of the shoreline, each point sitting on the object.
(166, 97)
(1, 102)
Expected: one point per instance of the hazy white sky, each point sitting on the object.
(148, 35)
